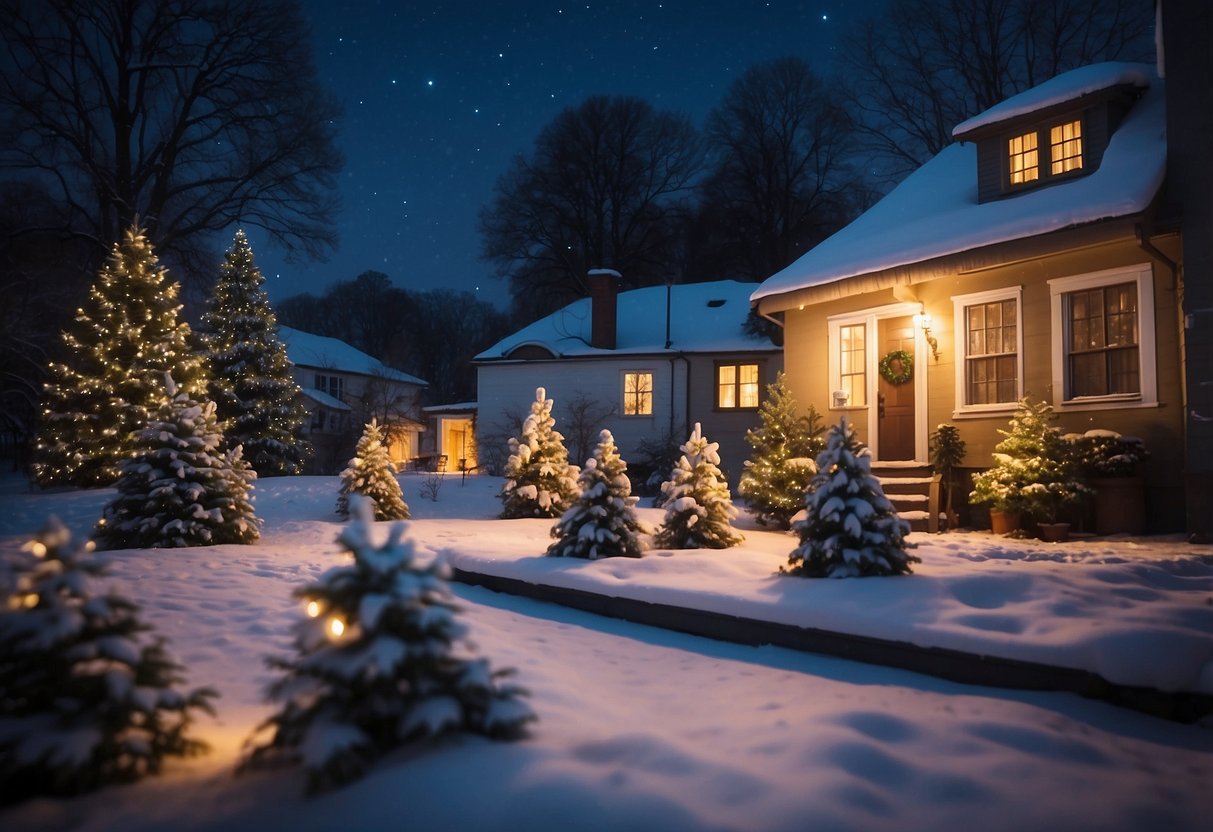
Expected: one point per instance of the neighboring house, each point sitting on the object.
(450, 436)
(343, 389)
(646, 363)
(1024, 259)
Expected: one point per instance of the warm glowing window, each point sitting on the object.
(637, 394)
(737, 386)
(991, 352)
(852, 364)
(1065, 147)
(1024, 158)
(1102, 350)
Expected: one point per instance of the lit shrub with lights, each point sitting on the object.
(378, 666)
(851, 529)
(86, 698)
(698, 507)
(372, 474)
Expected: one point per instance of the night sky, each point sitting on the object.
(439, 97)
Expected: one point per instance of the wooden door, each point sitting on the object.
(895, 402)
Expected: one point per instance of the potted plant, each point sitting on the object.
(947, 452)
(1110, 464)
(1033, 476)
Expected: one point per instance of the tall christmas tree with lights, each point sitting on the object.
(782, 465)
(251, 384)
(124, 339)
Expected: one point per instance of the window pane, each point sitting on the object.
(1065, 151)
(1104, 356)
(748, 394)
(852, 362)
(1023, 159)
(991, 365)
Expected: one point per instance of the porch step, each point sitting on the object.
(908, 487)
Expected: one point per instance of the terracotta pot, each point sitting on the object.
(1054, 532)
(1003, 522)
(1120, 505)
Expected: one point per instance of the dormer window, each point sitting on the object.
(1065, 147)
(1051, 150)
(1024, 166)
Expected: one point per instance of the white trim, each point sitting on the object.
(1143, 275)
(869, 317)
(959, 304)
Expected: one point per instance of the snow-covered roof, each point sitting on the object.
(325, 399)
(1069, 86)
(457, 407)
(704, 317)
(308, 350)
(934, 212)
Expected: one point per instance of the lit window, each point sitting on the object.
(1103, 337)
(852, 364)
(991, 352)
(1102, 349)
(737, 386)
(1065, 147)
(1023, 157)
(637, 394)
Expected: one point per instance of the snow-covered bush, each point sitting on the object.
(372, 474)
(781, 467)
(602, 522)
(698, 507)
(86, 698)
(377, 665)
(180, 488)
(539, 481)
(850, 528)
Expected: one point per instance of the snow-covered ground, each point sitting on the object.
(645, 729)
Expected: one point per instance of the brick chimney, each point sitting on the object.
(604, 288)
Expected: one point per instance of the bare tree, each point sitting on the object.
(189, 114)
(782, 180)
(583, 420)
(602, 188)
(924, 66)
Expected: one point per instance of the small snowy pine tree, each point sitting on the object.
(124, 338)
(698, 506)
(376, 668)
(86, 699)
(180, 488)
(779, 471)
(602, 522)
(254, 392)
(372, 474)
(851, 529)
(539, 481)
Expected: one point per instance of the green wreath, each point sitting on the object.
(907, 367)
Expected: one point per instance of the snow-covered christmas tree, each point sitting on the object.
(698, 507)
(602, 522)
(124, 339)
(258, 400)
(379, 665)
(180, 488)
(782, 465)
(851, 529)
(372, 474)
(87, 698)
(539, 481)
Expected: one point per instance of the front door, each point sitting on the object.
(895, 402)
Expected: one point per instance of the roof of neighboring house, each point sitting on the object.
(704, 317)
(325, 399)
(307, 350)
(457, 407)
(934, 212)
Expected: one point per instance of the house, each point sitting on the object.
(646, 363)
(343, 389)
(1027, 258)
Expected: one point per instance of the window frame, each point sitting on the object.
(623, 384)
(737, 385)
(1142, 274)
(1044, 152)
(960, 306)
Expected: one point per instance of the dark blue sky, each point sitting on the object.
(440, 96)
